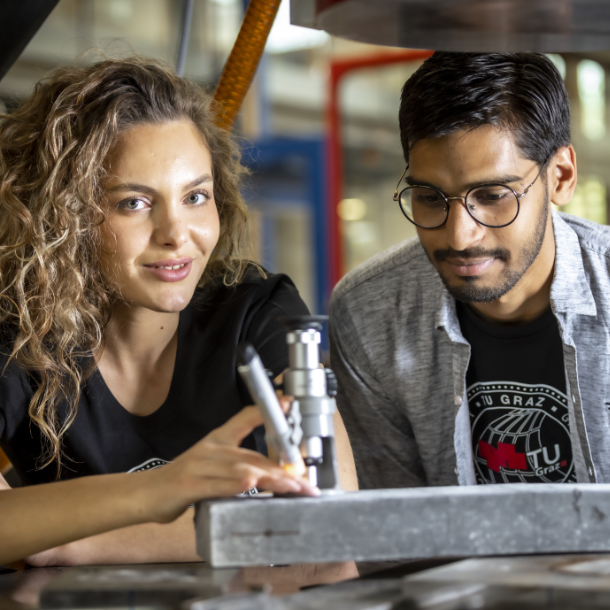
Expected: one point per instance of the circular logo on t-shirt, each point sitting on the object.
(150, 464)
(520, 433)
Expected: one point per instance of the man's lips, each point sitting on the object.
(470, 267)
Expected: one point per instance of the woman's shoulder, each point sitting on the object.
(256, 286)
(257, 300)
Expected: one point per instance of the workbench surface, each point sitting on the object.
(532, 582)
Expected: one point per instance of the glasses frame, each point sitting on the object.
(397, 196)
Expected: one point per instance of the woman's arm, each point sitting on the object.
(345, 458)
(142, 543)
(41, 517)
(166, 542)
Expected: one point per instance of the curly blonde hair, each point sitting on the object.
(54, 301)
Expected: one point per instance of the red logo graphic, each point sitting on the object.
(505, 455)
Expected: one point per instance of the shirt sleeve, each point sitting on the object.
(382, 440)
(265, 331)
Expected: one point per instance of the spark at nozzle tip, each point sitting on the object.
(297, 469)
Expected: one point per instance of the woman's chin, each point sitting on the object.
(166, 303)
(172, 305)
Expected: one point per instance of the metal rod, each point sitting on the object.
(185, 30)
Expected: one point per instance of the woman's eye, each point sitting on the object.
(197, 198)
(132, 204)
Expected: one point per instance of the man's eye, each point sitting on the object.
(429, 199)
(197, 198)
(131, 204)
(492, 196)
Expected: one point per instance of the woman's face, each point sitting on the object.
(161, 219)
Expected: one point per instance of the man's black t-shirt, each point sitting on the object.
(205, 390)
(516, 393)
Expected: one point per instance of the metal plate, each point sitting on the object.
(472, 25)
(405, 523)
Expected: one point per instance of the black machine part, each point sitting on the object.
(481, 26)
(303, 322)
(19, 21)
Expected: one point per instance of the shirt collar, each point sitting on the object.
(570, 291)
(447, 317)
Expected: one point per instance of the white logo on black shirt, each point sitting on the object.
(149, 465)
(520, 433)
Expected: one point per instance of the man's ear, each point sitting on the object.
(562, 175)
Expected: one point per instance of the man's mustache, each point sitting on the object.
(470, 253)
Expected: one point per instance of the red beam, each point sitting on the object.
(338, 69)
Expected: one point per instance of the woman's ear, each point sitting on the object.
(562, 175)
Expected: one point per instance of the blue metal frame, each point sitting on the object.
(312, 192)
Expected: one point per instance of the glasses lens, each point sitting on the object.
(426, 207)
(493, 205)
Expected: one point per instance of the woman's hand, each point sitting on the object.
(53, 515)
(218, 467)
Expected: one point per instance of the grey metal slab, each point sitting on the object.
(405, 523)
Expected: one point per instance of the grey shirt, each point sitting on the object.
(401, 362)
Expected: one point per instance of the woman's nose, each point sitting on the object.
(171, 229)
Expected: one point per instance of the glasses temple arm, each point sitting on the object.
(534, 180)
(395, 197)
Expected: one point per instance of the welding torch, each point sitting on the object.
(279, 434)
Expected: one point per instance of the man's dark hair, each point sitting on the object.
(522, 92)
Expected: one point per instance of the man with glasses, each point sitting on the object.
(478, 352)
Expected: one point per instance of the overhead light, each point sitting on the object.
(351, 209)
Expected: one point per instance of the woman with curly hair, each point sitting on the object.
(124, 293)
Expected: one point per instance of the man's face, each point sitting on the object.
(478, 263)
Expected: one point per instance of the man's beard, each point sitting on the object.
(468, 291)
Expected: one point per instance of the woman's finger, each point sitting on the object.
(224, 453)
(231, 469)
(271, 484)
(235, 430)
(285, 402)
(209, 480)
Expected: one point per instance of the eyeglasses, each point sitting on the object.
(491, 205)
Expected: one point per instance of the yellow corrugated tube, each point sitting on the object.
(243, 61)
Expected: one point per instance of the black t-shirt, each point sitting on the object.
(205, 389)
(516, 393)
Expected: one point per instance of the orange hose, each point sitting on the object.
(3, 461)
(244, 58)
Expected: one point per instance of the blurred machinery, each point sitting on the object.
(338, 70)
(19, 21)
(464, 25)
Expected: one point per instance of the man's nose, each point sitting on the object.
(462, 229)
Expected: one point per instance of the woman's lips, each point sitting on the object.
(470, 268)
(171, 271)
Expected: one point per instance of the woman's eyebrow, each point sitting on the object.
(198, 181)
(131, 186)
(142, 188)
